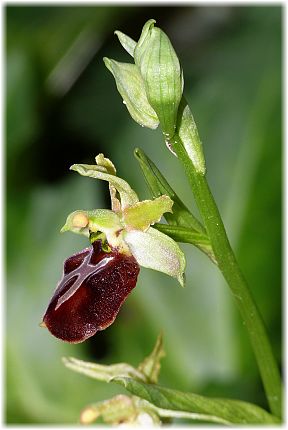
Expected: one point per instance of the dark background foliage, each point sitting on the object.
(62, 107)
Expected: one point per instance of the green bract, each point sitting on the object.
(127, 227)
(153, 87)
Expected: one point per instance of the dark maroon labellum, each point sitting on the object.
(89, 296)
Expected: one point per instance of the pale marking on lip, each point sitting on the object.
(89, 270)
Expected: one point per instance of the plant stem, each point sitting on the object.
(230, 269)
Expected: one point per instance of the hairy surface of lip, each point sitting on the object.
(89, 296)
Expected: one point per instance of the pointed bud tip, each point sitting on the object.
(107, 63)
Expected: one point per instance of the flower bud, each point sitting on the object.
(162, 75)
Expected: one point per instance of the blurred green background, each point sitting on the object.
(62, 107)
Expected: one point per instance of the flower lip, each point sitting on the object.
(89, 296)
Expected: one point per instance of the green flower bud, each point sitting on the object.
(162, 75)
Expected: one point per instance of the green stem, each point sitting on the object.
(229, 267)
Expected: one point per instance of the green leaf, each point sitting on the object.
(184, 235)
(158, 185)
(126, 41)
(155, 250)
(141, 215)
(224, 411)
(127, 195)
(151, 366)
(131, 88)
(102, 372)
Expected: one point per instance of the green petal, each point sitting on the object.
(155, 250)
(127, 195)
(131, 87)
(126, 41)
(141, 215)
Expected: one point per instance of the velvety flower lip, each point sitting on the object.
(89, 296)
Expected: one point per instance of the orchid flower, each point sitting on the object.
(97, 280)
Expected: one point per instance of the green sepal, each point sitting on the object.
(127, 195)
(154, 250)
(158, 185)
(162, 75)
(131, 87)
(126, 41)
(145, 213)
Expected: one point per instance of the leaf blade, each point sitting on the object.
(232, 411)
(158, 186)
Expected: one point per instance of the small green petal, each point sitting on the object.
(131, 87)
(141, 215)
(127, 195)
(126, 41)
(157, 251)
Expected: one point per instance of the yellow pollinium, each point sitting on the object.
(80, 220)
